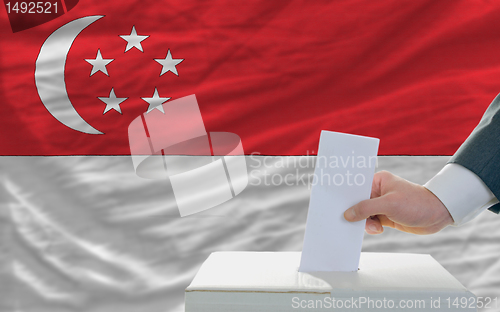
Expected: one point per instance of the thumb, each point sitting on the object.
(367, 208)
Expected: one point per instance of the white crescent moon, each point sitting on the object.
(49, 74)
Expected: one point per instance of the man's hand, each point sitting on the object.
(400, 204)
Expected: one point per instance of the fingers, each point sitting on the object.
(376, 187)
(369, 207)
(386, 221)
(380, 179)
(373, 226)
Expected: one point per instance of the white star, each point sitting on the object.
(112, 102)
(133, 40)
(99, 64)
(156, 102)
(169, 64)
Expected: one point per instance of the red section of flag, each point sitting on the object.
(276, 73)
(70, 4)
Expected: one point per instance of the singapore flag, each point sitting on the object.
(123, 125)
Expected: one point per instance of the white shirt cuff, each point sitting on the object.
(462, 192)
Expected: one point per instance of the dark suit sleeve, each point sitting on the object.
(480, 153)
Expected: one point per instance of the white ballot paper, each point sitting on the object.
(343, 176)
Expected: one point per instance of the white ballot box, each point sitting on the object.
(270, 281)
